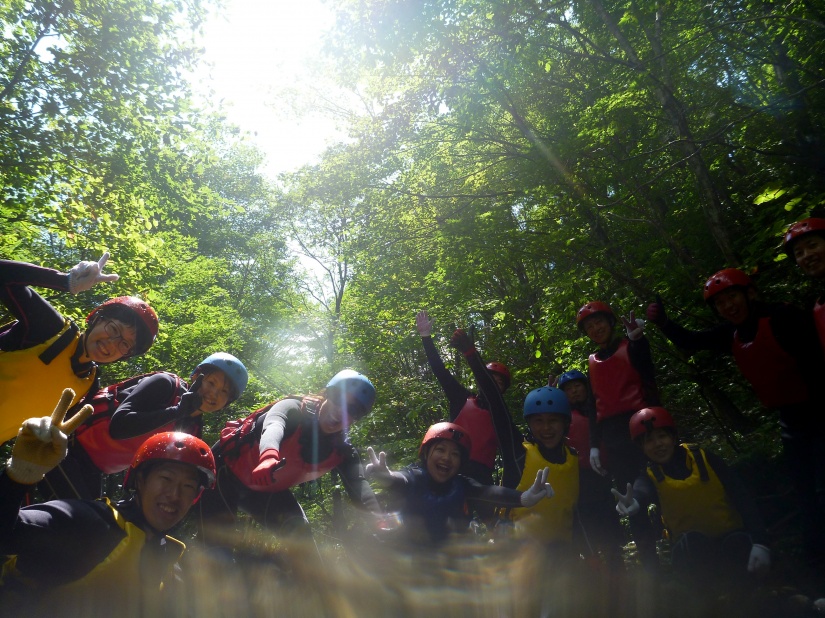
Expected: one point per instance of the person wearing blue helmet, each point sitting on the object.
(547, 413)
(281, 445)
(601, 531)
(127, 413)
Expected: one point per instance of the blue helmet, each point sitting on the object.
(546, 400)
(234, 369)
(350, 382)
(570, 376)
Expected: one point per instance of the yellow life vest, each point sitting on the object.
(114, 586)
(696, 504)
(32, 380)
(551, 520)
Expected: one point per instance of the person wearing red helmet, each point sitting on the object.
(42, 352)
(776, 348)
(283, 444)
(127, 413)
(622, 379)
(468, 409)
(804, 243)
(94, 554)
(717, 532)
(435, 497)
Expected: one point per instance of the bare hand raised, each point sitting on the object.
(424, 324)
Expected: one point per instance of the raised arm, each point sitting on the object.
(456, 393)
(144, 409)
(509, 437)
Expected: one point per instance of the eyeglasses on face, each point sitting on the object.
(113, 332)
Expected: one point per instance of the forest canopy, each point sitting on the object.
(515, 159)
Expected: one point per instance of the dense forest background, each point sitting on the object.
(514, 159)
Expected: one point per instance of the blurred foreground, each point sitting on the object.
(469, 578)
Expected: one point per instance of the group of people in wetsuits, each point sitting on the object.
(598, 447)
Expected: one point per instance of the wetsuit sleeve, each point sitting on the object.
(456, 393)
(719, 338)
(37, 320)
(144, 409)
(281, 419)
(491, 494)
(358, 489)
(642, 361)
(55, 542)
(644, 492)
(510, 440)
(589, 410)
(741, 499)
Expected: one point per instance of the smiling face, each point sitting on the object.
(108, 341)
(443, 460)
(599, 328)
(215, 391)
(167, 492)
(809, 253)
(659, 445)
(548, 429)
(733, 304)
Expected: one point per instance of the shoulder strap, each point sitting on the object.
(658, 474)
(238, 432)
(107, 399)
(700, 461)
(59, 344)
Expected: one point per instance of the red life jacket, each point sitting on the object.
(579, 437)
(616, 384)
(239, 449)
(772, 372)
(108, 454)
(479, 425)
(819, 320)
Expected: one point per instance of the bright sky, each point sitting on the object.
(260, 52)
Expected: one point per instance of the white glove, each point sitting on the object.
(759, 561)
(539, 491)
(596, 462)
(41, 443)
(424, 324)
(634, 327)
(626, 504)
(377, 467)
(86, 274)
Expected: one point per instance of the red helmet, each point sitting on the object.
(648, 419)
(502, 370)
(592, 308)
(448, 431)
(724, 279)
(174, 446)
(800, 228)
(126, 307)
